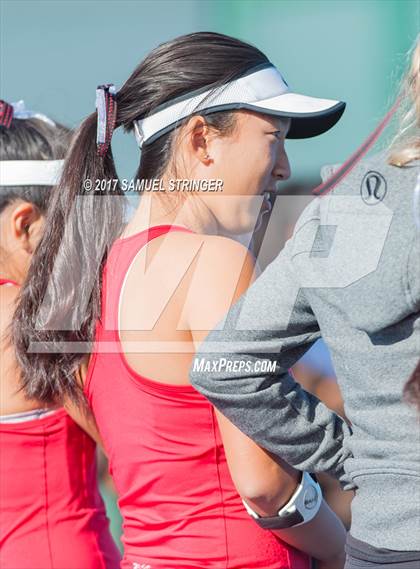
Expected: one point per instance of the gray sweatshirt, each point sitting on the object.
(351, 273)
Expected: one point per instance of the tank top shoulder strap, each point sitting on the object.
(117, 265)
(7, 282)
(121, 256)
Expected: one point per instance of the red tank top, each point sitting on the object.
(179, 506)
(51, 512)
(7, 282)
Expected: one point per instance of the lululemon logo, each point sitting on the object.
(373, 188)
(310, 498)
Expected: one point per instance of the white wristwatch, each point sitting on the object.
(300, 509)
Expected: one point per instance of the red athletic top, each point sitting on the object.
(7, 282)
(51, 512)
(179, 505)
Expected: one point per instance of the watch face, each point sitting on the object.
(310, 498)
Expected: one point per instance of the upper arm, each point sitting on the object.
(272, 322)
(272, 318)
(258, 475)
(222, 272)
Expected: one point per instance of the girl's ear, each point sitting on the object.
(26, 226)
(199, 138)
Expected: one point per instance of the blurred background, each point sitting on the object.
(54, 53)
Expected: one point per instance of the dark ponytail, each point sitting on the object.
(61, 299)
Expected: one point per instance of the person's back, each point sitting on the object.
(179, 505)
(51, 512)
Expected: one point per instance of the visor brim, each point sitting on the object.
(310, 116)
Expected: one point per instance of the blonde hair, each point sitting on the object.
(406, 145)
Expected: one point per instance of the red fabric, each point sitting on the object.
(51, 512)
(6, 114)
(177, 499)
(7, 282)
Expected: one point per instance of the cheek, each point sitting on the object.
(229, 159)
(246, 166)
(262, 158)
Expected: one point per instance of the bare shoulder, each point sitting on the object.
(224, 248)
(221, 272)
(226, 265)
(215, 249)
(177, 252)
(196, 276)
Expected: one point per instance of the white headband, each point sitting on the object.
(30, 172)
(261, 89)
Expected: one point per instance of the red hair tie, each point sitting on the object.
(6, 114)
(106, 107)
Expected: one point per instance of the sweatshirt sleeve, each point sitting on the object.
(242, 368)
(413, 274)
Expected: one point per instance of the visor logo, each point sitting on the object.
(373, 188)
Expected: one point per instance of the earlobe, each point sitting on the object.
(200, 138)
(205, 158)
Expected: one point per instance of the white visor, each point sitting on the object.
(30, 172)
(261, 89)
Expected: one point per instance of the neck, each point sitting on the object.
(7, 272)
(161, 208)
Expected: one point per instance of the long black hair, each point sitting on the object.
(65, 276)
